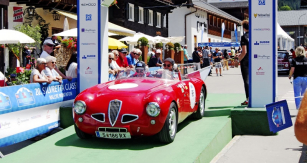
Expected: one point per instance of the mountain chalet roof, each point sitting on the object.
(225, 5)
(203, 5)
(292, 18)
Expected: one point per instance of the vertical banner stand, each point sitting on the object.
(92, 42)
(262, 52)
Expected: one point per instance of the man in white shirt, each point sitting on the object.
(50, 69)
(47, 48)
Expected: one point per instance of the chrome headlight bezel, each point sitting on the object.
(155, 106)
(82, 106)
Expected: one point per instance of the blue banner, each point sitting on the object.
(21, 97)
(279, 117)
(219, 44)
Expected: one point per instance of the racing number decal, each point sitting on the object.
(192, 95)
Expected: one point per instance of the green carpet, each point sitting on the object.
(196, 141)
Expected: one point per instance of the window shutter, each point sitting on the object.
(145, 16)
(136, 13)
(162, 21)
(127, 11)
(154, 18)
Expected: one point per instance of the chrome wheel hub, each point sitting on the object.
(172, 122)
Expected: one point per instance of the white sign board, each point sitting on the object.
(92, 42)
(219, 1)
(262, 67)
(233, 36)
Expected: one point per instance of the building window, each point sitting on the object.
(158, 20)
(150, 17)
(141, 15)
(164, 21)
(131, 12)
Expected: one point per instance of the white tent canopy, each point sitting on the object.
(285, 42)
(134, 39)
(8, 36)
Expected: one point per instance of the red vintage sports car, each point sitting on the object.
(139, 105)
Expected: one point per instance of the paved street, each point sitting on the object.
(281, 148)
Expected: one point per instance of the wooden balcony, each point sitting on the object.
(216, 31)
(66, 5)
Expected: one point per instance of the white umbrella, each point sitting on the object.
(134, 39)
(74, 33)
(66, 26)
(158, 39)
(8, 36)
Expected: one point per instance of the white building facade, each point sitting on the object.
(194, 23)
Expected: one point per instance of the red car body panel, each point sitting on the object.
(134, 102)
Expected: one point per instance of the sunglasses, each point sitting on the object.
(49, 45)
(53, 62)
(140, 71)
(166, 65)
(111, 58)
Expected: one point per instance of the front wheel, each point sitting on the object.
(168, 132)
(81, 134)
(201, 106)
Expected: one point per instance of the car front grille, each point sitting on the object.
(114, 109)
(280, 66)
(127, 118)
(113, 129)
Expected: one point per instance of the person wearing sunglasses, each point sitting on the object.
(122, 60)
(37, 74)
(47, 48)
(131, 58)
(113, 67)
(155, 61)
(50, 70)
(169, 64)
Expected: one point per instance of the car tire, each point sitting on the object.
(201, 106)
(168, 132)
(81, 134)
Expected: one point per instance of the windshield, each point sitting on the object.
(282, 55)
(156, 74)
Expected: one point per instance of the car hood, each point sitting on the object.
(126, 87)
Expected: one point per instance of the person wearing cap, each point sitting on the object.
(54, 39)
(140, 69)
(122, 60)
(37, 74)
(47, 48)
(50, 69)
(155, 61)
(168, 64)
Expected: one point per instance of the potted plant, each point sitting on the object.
(143, 42)
(169, 51)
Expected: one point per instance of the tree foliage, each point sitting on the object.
(33, 32)
(285, 8)
(293, 4)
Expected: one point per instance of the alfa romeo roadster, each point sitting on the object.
(139, 105)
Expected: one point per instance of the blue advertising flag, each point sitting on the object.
(223, 29)
(278, 116)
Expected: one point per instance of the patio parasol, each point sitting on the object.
(115, 44)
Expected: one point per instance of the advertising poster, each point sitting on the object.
(88, 53)
(279, 117)
(262, 53)
(18, 14)
(32, 109)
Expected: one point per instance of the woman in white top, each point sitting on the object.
(115, 56)
(72, 66)
(37, 74)
(50, 71)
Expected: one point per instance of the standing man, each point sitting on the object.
(206, 58)
(244, 59)
(47, 48)
(197, 56)
(185, 54)
(155, 61)
(217, 56)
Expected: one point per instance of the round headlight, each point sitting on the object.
(80, 107)
(286, 65)
(153, 109)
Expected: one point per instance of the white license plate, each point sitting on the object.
(113, 135)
